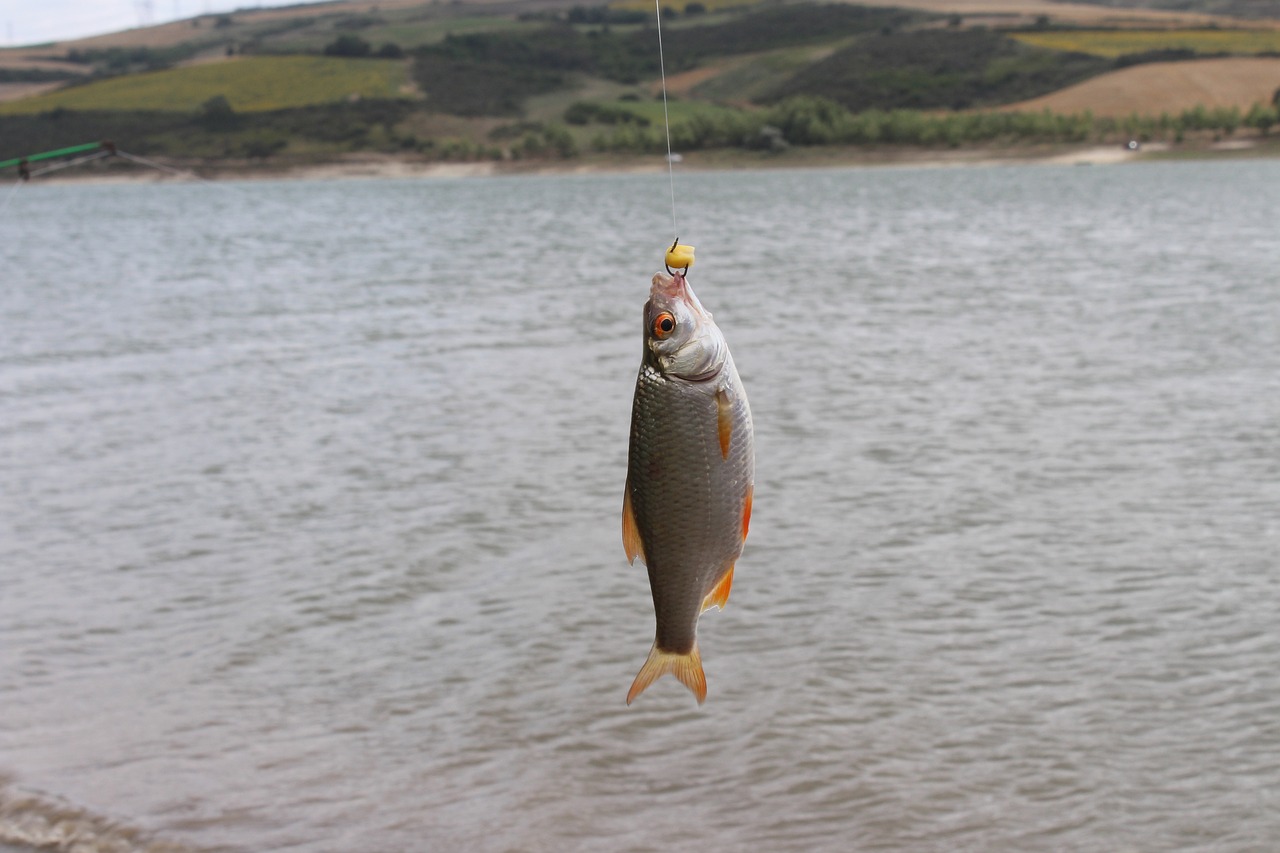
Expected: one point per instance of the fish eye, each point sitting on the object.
(663, 325)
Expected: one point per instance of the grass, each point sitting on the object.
(1113, 43)
(760, 74)
(251, 84)
(680, 111)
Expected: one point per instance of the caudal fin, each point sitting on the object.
(687, 668)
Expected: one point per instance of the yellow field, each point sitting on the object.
(249, 84)
(1166, 87)
(1112, 43)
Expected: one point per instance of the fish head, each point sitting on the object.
(681, 339)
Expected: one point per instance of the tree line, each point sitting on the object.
(812, 120)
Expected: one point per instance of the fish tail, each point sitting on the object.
(685, 667)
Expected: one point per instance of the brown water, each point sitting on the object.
(309, 510)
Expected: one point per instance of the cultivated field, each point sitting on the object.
(249, 84)
(1167, 87)
(1012, 11)
(1114, 43)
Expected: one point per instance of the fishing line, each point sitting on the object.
(143, 161)
(8, 197)
(666, 120)
(69, 163)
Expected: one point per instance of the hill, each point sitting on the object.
(521, 79)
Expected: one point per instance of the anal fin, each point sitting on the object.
(687, 668)
(719, 596)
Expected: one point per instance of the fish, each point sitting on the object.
(690, 476)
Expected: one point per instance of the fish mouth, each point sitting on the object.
(677, 288)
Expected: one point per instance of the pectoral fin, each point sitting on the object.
(630, 533)
(724, 421)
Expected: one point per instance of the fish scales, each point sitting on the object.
(689, 476)
(690, 532)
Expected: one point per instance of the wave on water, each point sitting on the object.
(33, 820)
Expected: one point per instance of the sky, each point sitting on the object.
(34, 21)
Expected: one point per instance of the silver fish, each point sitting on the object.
(690, 476)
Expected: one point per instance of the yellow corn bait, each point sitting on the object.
(680, 256)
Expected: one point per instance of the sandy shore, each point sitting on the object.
(392, 167)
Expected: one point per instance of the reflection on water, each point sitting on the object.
(309, 526)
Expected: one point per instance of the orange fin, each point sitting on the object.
(630, 533)
(746, 511)
(724, 421)
(719, 596)
(687, 668)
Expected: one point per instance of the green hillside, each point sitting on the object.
(931, 69)
(520, 80)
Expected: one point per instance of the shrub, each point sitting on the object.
(263, 145)
(216, 114)
(584, 112)
(348, 45)
(1261, 118)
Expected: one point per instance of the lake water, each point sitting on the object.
(310, 492)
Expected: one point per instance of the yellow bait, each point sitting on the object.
(680, 256)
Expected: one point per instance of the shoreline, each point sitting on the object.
(389, 167)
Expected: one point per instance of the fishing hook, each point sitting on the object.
(683, 273)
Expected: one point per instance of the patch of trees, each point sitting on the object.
(492, 73)
(534, 139)
(354, 47)
(810, 120)
(936, 69)
(585, 112)
(476, 88)
(217, 115)
(35, 75)
(128, 60)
